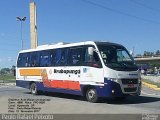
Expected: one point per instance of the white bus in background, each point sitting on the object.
(91, 69)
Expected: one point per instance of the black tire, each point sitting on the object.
(91, 95)
(33, 89)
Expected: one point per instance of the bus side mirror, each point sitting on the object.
(90, 51)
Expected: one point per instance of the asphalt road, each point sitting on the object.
(147, 103)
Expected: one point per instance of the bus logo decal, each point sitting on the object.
(84, 70)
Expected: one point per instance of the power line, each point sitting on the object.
(145, 6)
(120, 12)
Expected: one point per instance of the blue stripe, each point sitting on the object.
(22, 83)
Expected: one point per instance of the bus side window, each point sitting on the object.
(75, 57)
(58, 53)
(52, 58)
(34, 59)
(26, 59)
(45, 58)
(88, 57)
(19, 61)
(23, 60)
(92, 60)
(96, 57)
(61, 56)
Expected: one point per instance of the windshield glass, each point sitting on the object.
(117, 57)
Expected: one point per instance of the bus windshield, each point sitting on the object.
(117, 57)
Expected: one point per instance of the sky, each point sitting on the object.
(132, 23)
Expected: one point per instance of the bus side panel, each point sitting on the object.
(103, 91)
(40, 87)
(108, 88)
(23, 84)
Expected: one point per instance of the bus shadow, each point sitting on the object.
(133, 100)
(65, 96)
(129, 100)
(60, 95)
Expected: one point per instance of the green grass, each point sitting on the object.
(152, 82)
(8, 78)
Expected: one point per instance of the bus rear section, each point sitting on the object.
(79, 69)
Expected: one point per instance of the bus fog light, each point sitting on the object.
(113, 91)
(113, 79)
(116, 80)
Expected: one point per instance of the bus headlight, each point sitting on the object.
(113, 79)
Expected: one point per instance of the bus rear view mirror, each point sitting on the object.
(90, 51)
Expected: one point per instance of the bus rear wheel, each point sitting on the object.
(33, 89)
(91, 95)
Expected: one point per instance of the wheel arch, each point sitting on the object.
(30, 83)
(86, 87)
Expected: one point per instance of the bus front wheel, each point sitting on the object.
(33, 89)
(91, 95)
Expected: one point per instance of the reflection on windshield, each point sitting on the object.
(117, 57)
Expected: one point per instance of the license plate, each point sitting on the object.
(131, 85)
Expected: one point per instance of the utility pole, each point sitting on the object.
(33, 25)
(21, 19)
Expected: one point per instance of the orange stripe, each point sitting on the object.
(30, 72)
(64, 84)
(73, 85)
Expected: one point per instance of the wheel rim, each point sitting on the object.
(91, 94)
(33, 89)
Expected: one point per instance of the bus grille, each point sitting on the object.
(130, 89)
(129, 81)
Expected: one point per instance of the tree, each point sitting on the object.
(13, 70)
(148, 54)
(138, 55)
(158, 52)
(5, 70)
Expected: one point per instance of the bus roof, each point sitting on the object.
(62, 45)
(108, 43)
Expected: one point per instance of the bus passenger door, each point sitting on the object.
(92, 71)
(75, 62)
(59, 77)
(74, 78)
